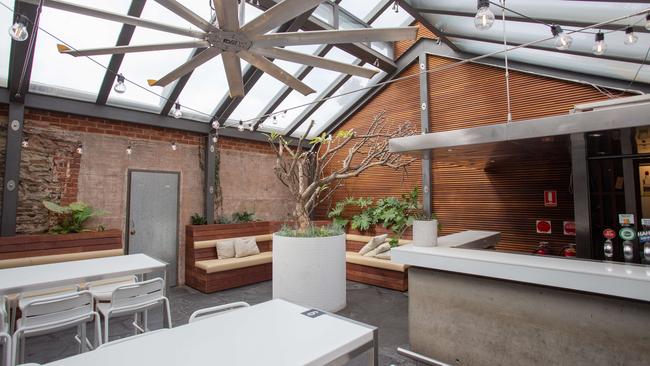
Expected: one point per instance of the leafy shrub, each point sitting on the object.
(237, 218)
(198, 219)
(312, 231)
(71, 218)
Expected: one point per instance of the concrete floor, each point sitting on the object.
(376, 306)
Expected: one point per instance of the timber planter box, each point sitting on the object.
(58, 246)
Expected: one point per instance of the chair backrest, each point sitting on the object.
(139, 293)
(212, 311)
(4, 325)
(57, 309)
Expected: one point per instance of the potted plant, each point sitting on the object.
(425, 230)
(311, 175)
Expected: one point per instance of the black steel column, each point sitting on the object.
(12, 168)
(581, 204)
(427, 195)
(210, 149)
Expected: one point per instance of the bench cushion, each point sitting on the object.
(220, 265)
(365, 238)
(356, 258)
(212, 243)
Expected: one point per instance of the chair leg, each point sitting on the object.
(98, 332)
(167, 313)
(14, 350)
(82, 336)
(106, 321)
(145, 321)
(23, 345)
(136, 325)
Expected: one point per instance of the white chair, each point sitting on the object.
(135, 299)
(16, 301)
(51, 314)
(216, 310)
(5, 338)
(102, 290)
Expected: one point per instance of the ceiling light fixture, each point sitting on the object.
(120, 87)
(600, 46)
(562, 40)
(630, 37)
(177, 110)
(484, 16)
(18, 30)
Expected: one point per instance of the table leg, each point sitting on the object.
(373, 359)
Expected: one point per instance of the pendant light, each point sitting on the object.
(600, 46)
(562, 40)
(177, 110)
(630, 36)
(18, 30)
(120, 87)
(240, 128)
(484, 16)
(251, 127)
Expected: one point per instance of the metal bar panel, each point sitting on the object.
(427, 183)
(12, 168)
(20, 65)
(210, 169)
(126, 33)
(581, 193)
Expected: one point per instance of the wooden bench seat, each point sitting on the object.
(371, 270)
(221, 265)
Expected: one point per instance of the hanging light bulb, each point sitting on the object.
(25, 142)
(215, 138)
(240, 128)
(484, 16)
(251, 127)
(647, 22)
(215, 124)
(562, 40)
(18, 30)
(395, 7)
(600, 46)
(275, 120)
(129, 150)
(120, 87)
(174, 147)
(630, 36)
(80, 149)
(177, 110)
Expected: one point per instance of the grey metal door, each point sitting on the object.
(153, 217)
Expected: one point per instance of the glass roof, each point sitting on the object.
(81, 78)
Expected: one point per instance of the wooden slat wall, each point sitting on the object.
(23, 246)
(505, 196)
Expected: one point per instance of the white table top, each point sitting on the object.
(274, 333)
(607, 278)
(43, 276)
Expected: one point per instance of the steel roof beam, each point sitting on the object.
(415, 13)
(124, 38)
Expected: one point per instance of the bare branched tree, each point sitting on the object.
(313, 174)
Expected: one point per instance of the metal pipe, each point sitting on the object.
(420, 358)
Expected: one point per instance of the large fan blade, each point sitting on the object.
(320, 62)
(185, 13)
(227, 14)
(126, 19)
(273, 70)
(278, 15)
(128, 49)
(335, 36)
(233, 73)
(185, 68)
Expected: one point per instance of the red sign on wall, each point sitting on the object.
(569, 228)
(550, 198)
(543, 226)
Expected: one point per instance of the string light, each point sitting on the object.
(174, 147)
(120, 87)
(630, 37)
(562, 40)
(395, 7)
(177, 111)
(129, 150)
(251, 127)
(215, 124)
(275, 119)
(647, 22)
(484, 16)
(25, 142)
(80, 149)
(240, 128)
(600, 46)
(215, 137)
(18, 30)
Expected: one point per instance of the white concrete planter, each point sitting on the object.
(310, 271)
(425, 233)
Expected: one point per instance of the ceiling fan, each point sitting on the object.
(250, 42)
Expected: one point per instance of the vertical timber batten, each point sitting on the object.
(427, 198)
(581, 204)
(12, 168)
(210, 169)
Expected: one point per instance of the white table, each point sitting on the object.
(274, 333)
(44, 276)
